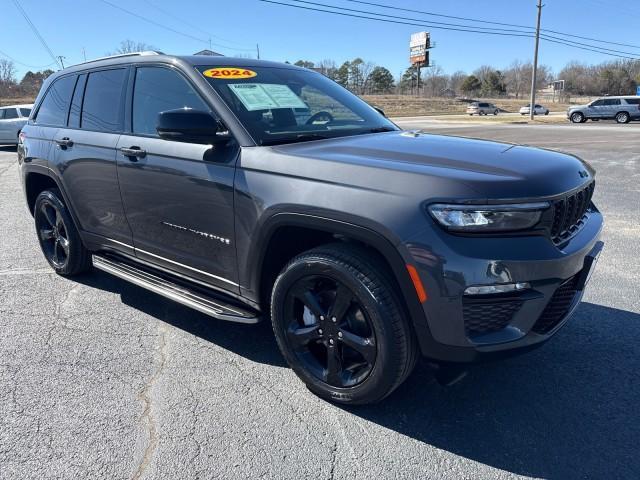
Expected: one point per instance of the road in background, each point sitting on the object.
(101, 379)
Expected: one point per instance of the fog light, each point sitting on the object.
(500, 288)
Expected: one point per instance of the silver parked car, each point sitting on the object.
(537, 110)
(12, 119)
(620, 109)
(482, 108)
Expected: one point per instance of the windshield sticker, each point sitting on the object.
(229, 72)
(264, 96)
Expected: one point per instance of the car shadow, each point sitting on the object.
(566, 410)
(255, 342)
(8, 148)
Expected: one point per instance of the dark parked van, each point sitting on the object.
(252, 190)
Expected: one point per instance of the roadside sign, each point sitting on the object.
(638, 90)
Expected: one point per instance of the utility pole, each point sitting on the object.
(60, 57)
(534, 74)
(258, 50)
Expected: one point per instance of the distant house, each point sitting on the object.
(209, 53)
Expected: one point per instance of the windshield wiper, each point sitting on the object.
(378, 130)
(303, 137)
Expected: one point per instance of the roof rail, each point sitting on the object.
(120, 55)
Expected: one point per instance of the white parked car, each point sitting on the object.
(12, 119)
(537, 110)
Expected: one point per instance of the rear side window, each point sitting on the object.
(633, 101)
(158, 90)
(25, 112)
(55, 106)
(484, 104)
(102, 106)
(10, 114)
(612, 101)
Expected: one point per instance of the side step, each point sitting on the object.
(209, 303)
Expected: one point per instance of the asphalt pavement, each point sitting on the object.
(101, 379)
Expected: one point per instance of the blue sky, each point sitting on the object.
(235, 26)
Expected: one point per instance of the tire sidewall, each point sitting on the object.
(577, 117)
(75, 243)
(624, 116)
(381, 379)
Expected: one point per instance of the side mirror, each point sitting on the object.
(379, 110)
(191, 126)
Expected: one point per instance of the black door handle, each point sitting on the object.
(64, 142)
(133, 153)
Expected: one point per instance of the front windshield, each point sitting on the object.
(284, 105)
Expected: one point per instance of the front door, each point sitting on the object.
(178, 197)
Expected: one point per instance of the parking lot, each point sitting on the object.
(101, 379)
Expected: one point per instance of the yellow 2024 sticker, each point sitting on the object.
(229, 72)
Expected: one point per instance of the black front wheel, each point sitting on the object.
(58, 236)
(340, 326)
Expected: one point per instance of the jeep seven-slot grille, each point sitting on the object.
(488, 316)
(558, 307)
(569, 214)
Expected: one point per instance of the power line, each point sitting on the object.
(422, 12)
(172, 15)
(39, 67)
(35, 30)
(461, 28)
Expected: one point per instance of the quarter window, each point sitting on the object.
(158, 90)
(55, 106)
(633, 101)
(102, 106)
(25, 112)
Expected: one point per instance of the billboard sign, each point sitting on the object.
(418, 48)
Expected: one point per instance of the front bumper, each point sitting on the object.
(466, 328)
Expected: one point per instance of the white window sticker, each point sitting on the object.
(264, 96)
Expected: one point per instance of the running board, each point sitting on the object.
(211, 304)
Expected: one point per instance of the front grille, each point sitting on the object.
(488, 316)
(569, 214)
(558, 307)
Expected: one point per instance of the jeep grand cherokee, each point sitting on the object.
(254, 190)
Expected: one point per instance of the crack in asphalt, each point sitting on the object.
(148, 416)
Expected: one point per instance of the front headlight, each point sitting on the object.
(487, 218)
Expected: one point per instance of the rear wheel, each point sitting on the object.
(622, 117)
(495, 112)
(340, 326)
(59, 239)
(577, 117)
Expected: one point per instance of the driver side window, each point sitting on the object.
(157, 90)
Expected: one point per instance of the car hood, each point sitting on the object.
(490, 170)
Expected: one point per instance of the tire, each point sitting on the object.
(495, 112)
(368, 351)
(623, 117)
(55, 229)
(546, 112)
(577, 117)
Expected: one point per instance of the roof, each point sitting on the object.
(155, 57)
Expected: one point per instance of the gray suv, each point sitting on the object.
(252, 190)
(622, 109)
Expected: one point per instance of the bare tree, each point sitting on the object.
(7, 71)
(455, 81)
(434, 81)
(130, 46)
(514, 78)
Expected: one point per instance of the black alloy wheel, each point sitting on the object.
(340, 324)
(58, 236)
(53, 234)
(329, 331)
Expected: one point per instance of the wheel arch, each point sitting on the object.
(268, 256)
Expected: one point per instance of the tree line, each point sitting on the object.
(619, 77)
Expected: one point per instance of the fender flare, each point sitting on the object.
(387, 248)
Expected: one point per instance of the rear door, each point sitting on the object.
(178, 196)
(611, 106)
(85, 156)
